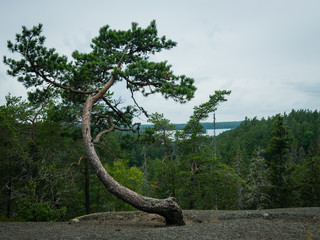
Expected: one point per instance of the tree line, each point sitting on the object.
(278, 157)
(45, 175)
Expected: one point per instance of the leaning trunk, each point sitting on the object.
(167, 208)
(87, 185)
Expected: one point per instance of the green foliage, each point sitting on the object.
(42, 211)
(291, 142)
(130, 177)
(35, 149)
(160, 123)
(89, 72)
(258, 182)
(163, 132)
(201, 112)
(30, 209)
(200, 180)
(277, 160)
(310, 185)
(212, 187)
(196, 158)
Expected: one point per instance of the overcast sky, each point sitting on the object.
(266, 52)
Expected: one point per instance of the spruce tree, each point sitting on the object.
(277, 159)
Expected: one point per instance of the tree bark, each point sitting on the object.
(86, 186)
(168, 208)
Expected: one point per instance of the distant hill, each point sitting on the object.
(208, 125)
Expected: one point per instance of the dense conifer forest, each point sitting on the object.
(263, 163)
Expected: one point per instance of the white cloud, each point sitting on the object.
(266, 52)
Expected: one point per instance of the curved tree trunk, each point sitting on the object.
(168, 208)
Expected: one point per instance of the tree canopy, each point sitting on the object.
(123, 55)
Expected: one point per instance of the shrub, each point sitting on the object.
(42, 211)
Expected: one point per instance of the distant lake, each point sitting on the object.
(218, 131)
(209, 132)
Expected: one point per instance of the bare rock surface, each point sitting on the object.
(293, 223)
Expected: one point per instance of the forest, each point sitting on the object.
(45, 175)
(72, 148)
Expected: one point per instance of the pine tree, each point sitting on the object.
(277, 159)
(88, 80)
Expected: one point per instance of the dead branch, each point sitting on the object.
(116, 110)
(113, 127)
(75, 163)
(135, 102)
